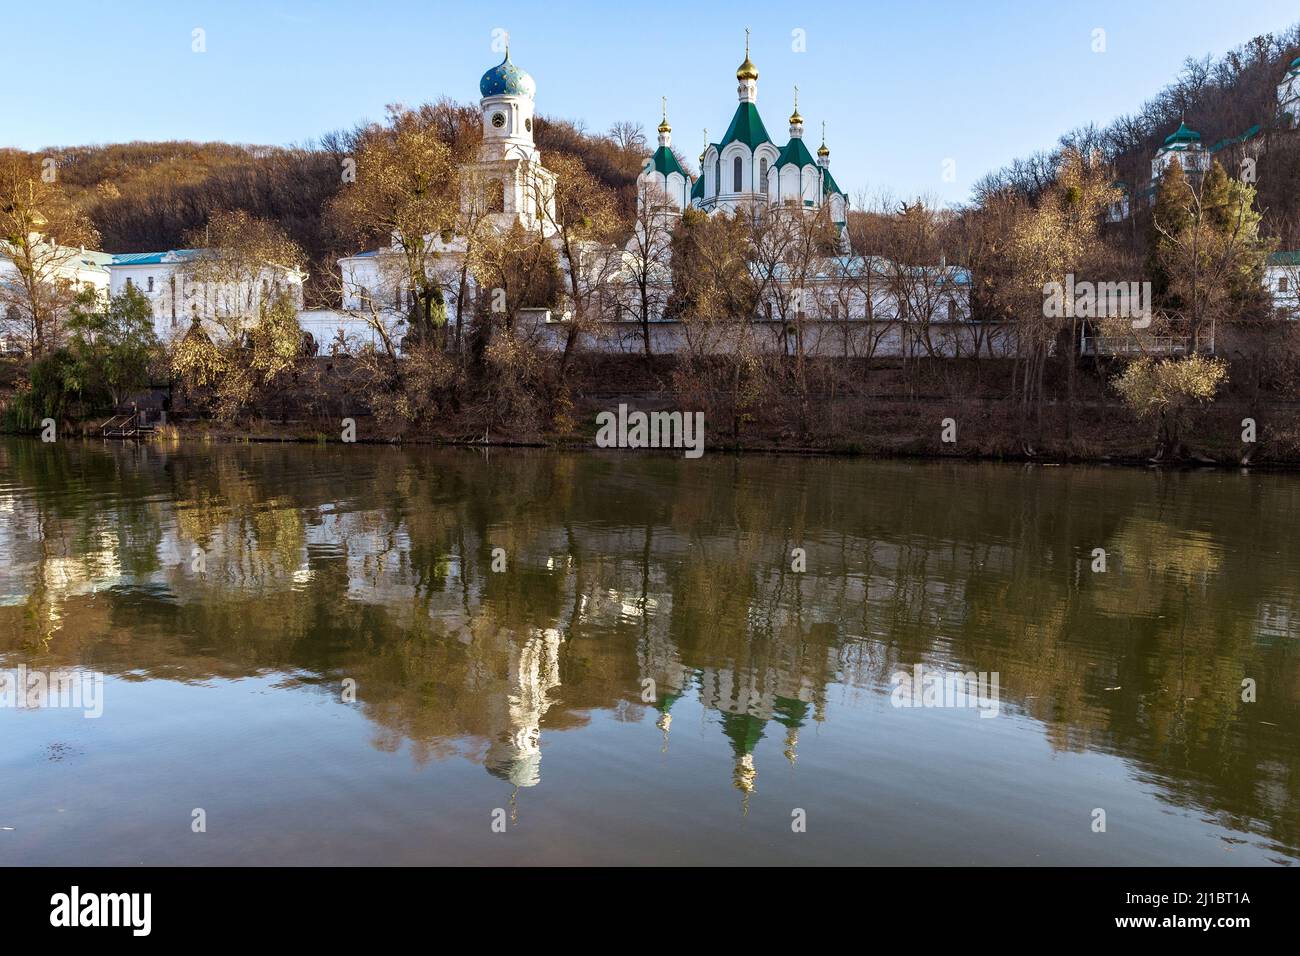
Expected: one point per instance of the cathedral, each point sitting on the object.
(746, 167)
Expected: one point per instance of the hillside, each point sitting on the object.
(1222, 99)
(145, 196)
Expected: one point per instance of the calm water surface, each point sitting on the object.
(647, 680)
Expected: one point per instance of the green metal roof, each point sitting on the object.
(665, 162)
(1291, 258)
(1182, 135)
(697, 191)
(1233, 141)
(154, 258)
(829, 185)
(795, 152)
(746, 127)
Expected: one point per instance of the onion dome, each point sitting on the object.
(506, 79)
(747, 70)
(1182, 135)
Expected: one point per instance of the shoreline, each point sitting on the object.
(209, 436)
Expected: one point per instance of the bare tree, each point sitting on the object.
(42, 236)
(583, 216)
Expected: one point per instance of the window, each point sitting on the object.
(717, 176)
(762, 176)
(1282, 284)
(150, 280)
(952, 311)
(172, 281)
(835, 311)
(737, 173)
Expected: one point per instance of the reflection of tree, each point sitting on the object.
(375, 564)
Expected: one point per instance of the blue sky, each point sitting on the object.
(902, 86)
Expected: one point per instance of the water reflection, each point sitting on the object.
(632, 584)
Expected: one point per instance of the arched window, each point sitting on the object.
(762, 176)
(717, 176)
(737, 172)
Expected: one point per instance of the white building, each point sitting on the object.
(664, 173)
(1182, 146)
(178, 301)
(1282, 279)
(746, 167)
(508, 185)
(74, 268)
(1288, 96)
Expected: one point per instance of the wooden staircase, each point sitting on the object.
(125, 425)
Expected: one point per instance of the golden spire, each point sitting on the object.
(795, 118)
(706, 146)
(822, 150)
(664, 127)
(747, 70)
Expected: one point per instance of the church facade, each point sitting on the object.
(746, 167)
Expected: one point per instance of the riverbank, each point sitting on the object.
(987, 430)
(953, 410)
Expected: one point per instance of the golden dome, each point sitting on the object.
(822, 150)
(795, 118)
(747, 70)
(663, 125)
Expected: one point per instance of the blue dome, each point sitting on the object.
(506, 79)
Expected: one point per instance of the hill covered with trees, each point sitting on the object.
(155, 196)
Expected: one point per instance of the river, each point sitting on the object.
(349, 654)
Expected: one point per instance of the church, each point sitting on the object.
(746, 167)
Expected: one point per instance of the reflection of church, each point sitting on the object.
(533, 671)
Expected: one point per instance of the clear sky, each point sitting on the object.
(902, 86)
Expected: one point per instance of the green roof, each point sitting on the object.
(744, 731)
(1182, 135)
(1291, 258)
(790, 711)
(665, 162)
(697, 191)
(829, 185)
(1233, 141)
(795, 152)
(746, 127)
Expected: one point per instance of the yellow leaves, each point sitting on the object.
(1149, 387)
(196, 360)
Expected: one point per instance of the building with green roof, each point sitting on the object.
(746, 167)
